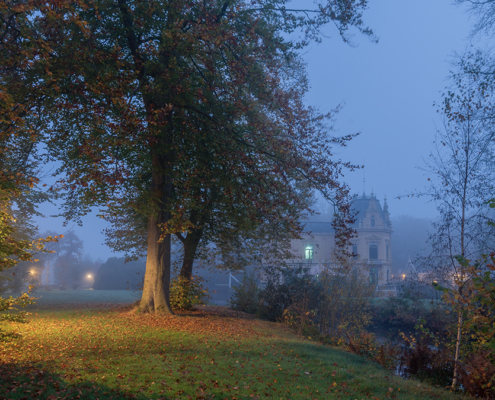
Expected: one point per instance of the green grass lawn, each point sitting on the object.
(101, 354)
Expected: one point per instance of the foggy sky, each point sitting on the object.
(388, 90)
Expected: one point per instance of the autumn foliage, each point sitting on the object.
(181, 116)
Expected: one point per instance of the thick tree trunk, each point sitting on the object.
(156, 288)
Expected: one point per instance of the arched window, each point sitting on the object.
(372, 221)
(308, 252)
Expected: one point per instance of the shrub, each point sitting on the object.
(302, 320)
(286, 288)
(425, 361)
(11, 303)
(337, 297)
(246, 296)
(365, 344)
(401, 314)
(477, 375)
(346, 295)
(185, 294)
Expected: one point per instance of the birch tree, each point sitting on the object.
(463, 180)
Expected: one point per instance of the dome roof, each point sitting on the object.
(364, 203)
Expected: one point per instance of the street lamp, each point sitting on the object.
(90, 277)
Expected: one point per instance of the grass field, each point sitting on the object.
(81, 298)
(97, 353)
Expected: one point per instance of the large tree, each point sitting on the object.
(222, 224)
(144, 91)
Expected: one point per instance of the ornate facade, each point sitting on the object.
(372, 247)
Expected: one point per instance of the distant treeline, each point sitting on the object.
(116, 274)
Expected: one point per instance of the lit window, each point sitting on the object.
(373, 251)
(308, 253)
(372, 221)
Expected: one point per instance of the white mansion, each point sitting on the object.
(372, 245)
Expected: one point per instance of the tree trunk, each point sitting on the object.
(156, 288)
(457, 349)
(463, 254)
(191, 242)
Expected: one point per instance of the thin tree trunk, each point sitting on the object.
(463, 254)
(457, 349)
(191, 242)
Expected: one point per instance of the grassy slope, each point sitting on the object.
(96, 353)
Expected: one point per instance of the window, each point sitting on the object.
(373, 276)
(354, 251)
(373, 251)
(308, 253)
(387, 250)
(372, 221)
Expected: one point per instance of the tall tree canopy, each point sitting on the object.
(164, 107)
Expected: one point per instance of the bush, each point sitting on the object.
(288, 288)
(426, 362)
(185, 294)
(11, 303)
(401, 314)
(246, 296)
(338, 297)
(346, 303)
(477, 375)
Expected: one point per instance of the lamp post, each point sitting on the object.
(91, 279)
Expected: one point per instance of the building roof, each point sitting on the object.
(364, 203)
(318, 227)
(360, 205)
